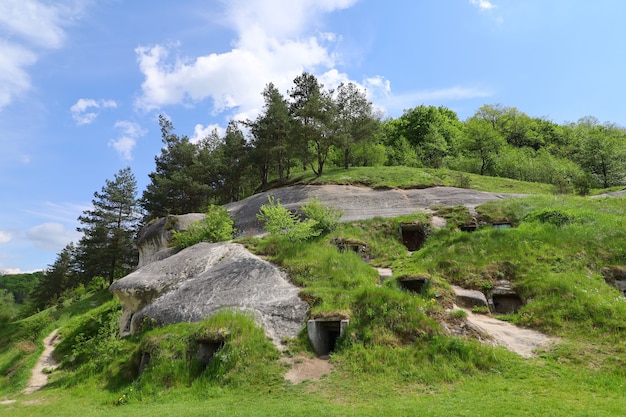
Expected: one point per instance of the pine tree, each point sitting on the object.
(107, 247)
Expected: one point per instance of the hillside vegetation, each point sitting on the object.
(395, 358)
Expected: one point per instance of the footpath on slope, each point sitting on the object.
(524, 342)
(39, 377)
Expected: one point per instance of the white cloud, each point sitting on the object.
(85, 110)
(5, 237)
(51, 236)
(11, 271)
(200, 132)
(13, 77)
(29, 26)
(273, 44)
(396, 103)
(126, 142)
(483, 4)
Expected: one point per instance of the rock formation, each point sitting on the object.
(204, 279)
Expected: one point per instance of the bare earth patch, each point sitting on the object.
(305, 368)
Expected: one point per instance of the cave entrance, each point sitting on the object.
(413, 284)
(324, 333)
(207, 350)
(506, 303)
(413, 235)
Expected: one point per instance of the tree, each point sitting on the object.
(602, 151)
(107, 247)
(58, 277)
(483, 142)
(7, 306)
(179, 184)
(432, 132)
(271, 133)
(232, 157)
(315, 114)
(357, 122)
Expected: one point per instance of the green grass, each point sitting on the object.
(395, 359)
(409, 178)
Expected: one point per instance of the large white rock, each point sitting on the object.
(204, 279)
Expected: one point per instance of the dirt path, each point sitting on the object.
(519, 340)
(39, 378)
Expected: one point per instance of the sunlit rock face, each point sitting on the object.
(205, 278)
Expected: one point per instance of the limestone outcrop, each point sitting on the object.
(205, 278)
(153, 240)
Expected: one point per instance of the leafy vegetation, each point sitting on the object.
(395, 356)
(216, 226)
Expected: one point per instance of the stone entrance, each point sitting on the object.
(413, 283)
(324, 333)
(506, 303)
(413, 235)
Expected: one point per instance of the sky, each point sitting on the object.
(82, 82)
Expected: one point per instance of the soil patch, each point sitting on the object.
(305, 368)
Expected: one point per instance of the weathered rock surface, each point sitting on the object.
(358, 203)
(205, 278)
(153, 240)
(469, 298)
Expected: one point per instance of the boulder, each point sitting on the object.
(203, 279)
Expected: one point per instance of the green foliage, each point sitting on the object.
(7, 306)
(326, 218)
(20, 285)
(277, 220)
(551, 216)
(217, 226)
(107, 247)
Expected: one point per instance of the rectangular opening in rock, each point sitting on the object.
(324, 333)
(413, 235)
(501, 225)
(469, 227)
(413, 284)
(506, 303)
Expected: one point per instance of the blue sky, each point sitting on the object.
(82, 82)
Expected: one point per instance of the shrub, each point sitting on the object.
(326, 218)
(217, 226)
(550, 216)
(277, 220)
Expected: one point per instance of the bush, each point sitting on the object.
(277, 220)
(326, 218)
(217, 226)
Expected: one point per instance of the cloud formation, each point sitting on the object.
(51, 236)
(127, 140)
(273, 43)
(27, 28)
(85, 110)
(5, 237)
(483, 4)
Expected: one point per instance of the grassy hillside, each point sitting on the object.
(395, 358)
